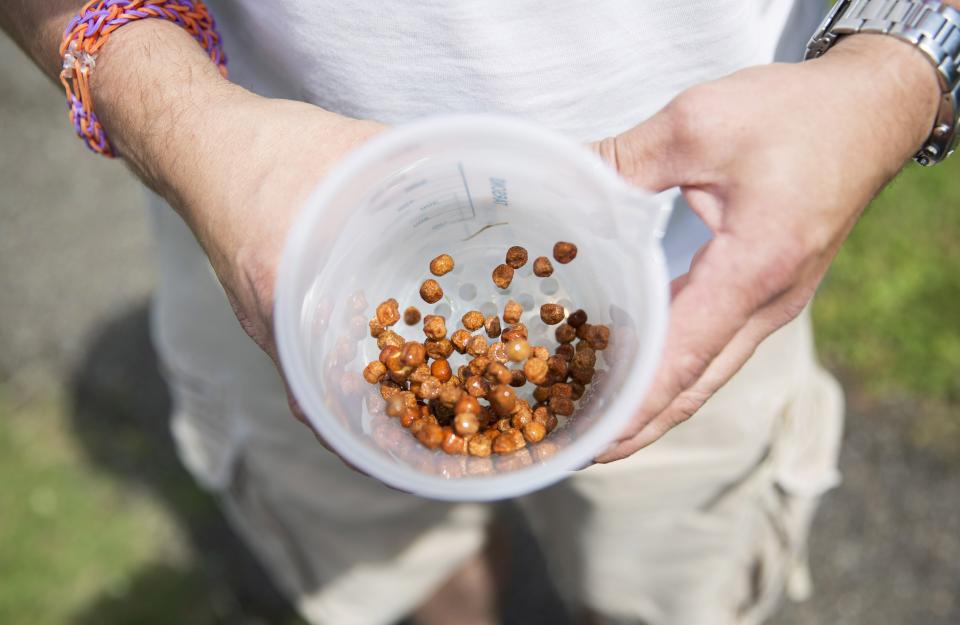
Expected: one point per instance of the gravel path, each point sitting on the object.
(74, 256)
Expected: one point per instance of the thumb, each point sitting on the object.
(646, 155)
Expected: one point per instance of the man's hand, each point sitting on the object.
(236, 166)
(779, 161)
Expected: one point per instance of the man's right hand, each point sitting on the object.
(234, 165)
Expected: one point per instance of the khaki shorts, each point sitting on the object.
(706, 526)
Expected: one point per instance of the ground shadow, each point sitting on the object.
(119, 415)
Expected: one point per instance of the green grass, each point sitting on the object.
(76, 546)
(889, 310)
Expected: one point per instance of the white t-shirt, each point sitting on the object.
(589, 69)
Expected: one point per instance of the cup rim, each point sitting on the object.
(579, 453)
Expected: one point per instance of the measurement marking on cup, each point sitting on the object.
(466, 187)
(498, 189)
(487, 227)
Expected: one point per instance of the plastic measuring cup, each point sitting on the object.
(470, 186)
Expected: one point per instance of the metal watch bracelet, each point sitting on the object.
(930, 26)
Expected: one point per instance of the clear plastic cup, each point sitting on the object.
(470, 186)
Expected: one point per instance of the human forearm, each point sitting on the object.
(37, 27)
(152, 86)
(779, 161)
(235, 165)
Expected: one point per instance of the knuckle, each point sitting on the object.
(690, 367)
(686, 115)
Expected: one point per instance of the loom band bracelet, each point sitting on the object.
(90, 29)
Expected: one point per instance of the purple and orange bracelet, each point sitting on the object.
(89, 30)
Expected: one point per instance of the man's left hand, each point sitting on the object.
(779, 161)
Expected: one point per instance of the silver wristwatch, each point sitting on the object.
(932, 27)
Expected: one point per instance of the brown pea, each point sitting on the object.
(477, 346)
(437, 349)
(434, 327)
(565, 351)
(497, 373)
(577, 390)
(577, 318)
(516, 257)
(518, 378)
(463, 372)
(582, 330)
(394, 360)
(598, 336)
(428, 389)
(466, 423)
(536, 370)
(431, 436)
(472, 320)
(565, 333)
(564, 252)
(389, 337)
(542, 267)
(396, 405)
(411, 316)
(376, 328)
(534, 432)
(387, 352)
(401, 376)
(545, 417)
(538, 351)
(520, 406)
(479, 446)
(498, 352)
(557, 367)
(430, 291)
(541, 393)
(374, 372)
(460, 340)
(502, 425)
(513, 333)
(408, 416)
(521, 418)
(440, 369)
(551, 314)
(388, 312)
(585, 358)
(583, 375)
(444, 413)
(388, 389)
(477, 386)
(503, 276)
(561, 389)
(509, 441)
(512, 311)
(467, 403)
(561, 405)
(453, 443)
(450, 395)
(420, 374)
(478, 366)
(441, 265)
(492, 326)
(416, 425)
(518, 350)
(413, 354)
(502, 398)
